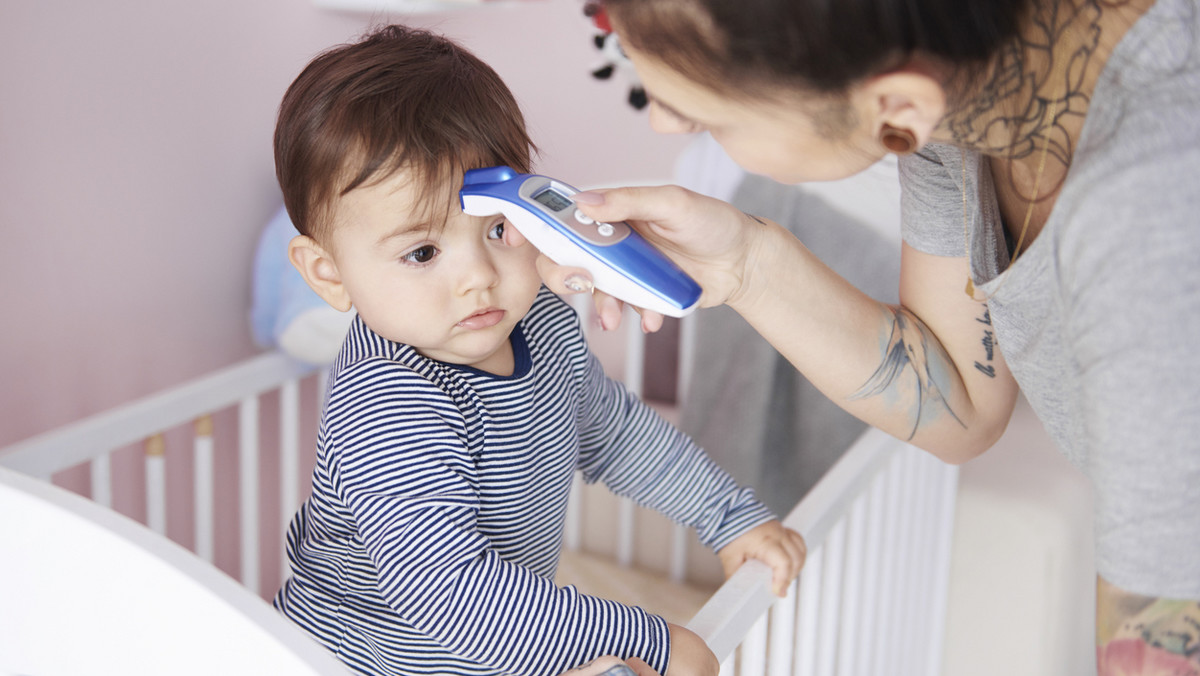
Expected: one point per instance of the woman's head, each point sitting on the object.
(400, 99)
(806, 90)
(752, 47)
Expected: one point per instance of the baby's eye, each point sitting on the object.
(496, 231)
(421, 255)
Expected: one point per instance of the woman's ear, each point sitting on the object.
(319, 270)
(911, 99)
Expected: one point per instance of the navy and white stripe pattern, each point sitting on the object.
(432, 535)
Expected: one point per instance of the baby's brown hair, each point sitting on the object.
(398, 99)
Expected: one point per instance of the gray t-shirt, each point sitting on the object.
(1100, 318)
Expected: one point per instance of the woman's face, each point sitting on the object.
(779, 137)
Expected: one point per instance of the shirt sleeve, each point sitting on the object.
(406, 475)
(931, 201)
(1130, 267)
(639, 455)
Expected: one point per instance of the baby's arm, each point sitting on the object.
(782, 549)
(639, 455)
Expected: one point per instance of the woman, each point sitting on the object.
(1048, 158)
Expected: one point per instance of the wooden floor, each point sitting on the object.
(674, 601)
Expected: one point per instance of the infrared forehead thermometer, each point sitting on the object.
(622, 263)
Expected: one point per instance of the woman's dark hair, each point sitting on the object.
(399, 99)
(753, 46)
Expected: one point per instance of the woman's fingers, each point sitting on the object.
(562, 279)
(704, 236)
(645, 203)
(613, 666)
(512, 236)
(565, 280)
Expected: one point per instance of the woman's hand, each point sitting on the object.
(711, 240)
(613, 666)
(690, 656)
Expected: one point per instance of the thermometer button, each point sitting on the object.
(605, 229)
(583, 218)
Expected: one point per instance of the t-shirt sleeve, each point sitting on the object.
(1130, 267)
(405, 473)
(931, 201)
(639, 455)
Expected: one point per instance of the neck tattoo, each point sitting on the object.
(1059, 75)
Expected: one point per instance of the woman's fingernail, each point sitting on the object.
(587, 197)
(578, 284)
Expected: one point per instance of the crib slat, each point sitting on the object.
(686, 361)
(752, 655)
(924, 503)
(917, 604)
(156, 488)
(807, 613)
(884, 628)
(679, 542)
(783, 629)
(687, 358)
(831, 599)
(902, 604)
(573, 538)
(635, 351)
(248, 490)
(909, 560)
(626, 530)
(873, 564)
(635, 354)
(931, 506)
(202, 480)
(849, 634)
(947, 491)
(289, 463)
(101, 479)
(322, 391)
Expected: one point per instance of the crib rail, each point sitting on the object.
(872, 596)
(43, 455)
(92, 440)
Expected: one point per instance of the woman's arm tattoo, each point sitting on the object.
(987, 368)
(915, 371)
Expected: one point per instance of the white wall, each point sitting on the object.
(136, 172)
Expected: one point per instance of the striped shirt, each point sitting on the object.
(430, 541)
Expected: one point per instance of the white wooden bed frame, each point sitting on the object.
(871, 599)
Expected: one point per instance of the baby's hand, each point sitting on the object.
(782, 549)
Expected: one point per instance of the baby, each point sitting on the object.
(464, 397)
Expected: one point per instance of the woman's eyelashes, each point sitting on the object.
(496, 231)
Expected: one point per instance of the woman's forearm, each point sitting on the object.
(881, 363)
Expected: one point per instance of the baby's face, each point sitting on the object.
(454, 295)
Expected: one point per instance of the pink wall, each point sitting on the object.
(136, 174)
(136, 171)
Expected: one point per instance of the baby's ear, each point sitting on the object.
(319, 270)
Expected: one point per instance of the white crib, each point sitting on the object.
(871, 599)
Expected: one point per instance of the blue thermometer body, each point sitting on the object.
(622, 263)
